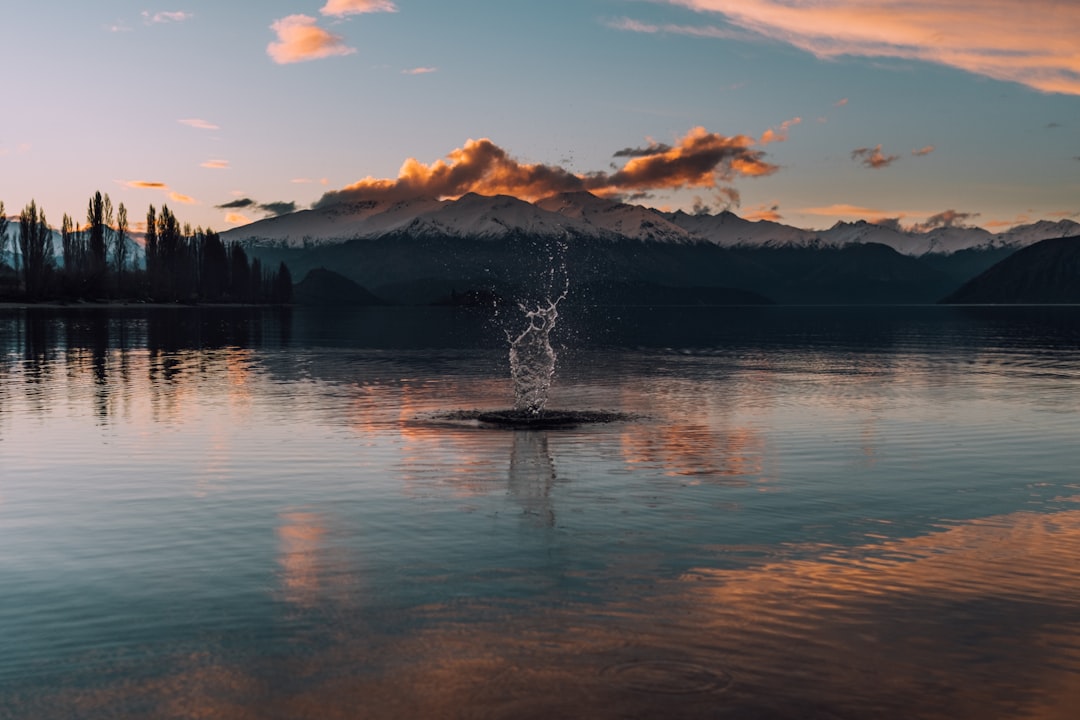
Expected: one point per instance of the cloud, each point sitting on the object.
(892, 223)
(653, 148)
(841, 102)
(154, 185)
(923, 151)
(1052, 125)
(944, 219)
(165, 17)
(842, 210)
(215, 164)
(873, 157)
(699, 160)
(765, 212)
(708, 31)
(181, 198)
(273, 208)
(236, 219)
(237, 204)
(341, 8)
(419, 70)
(300, 39)
(198, 123)
(278, 208)
(1032, 43)
(779, 134)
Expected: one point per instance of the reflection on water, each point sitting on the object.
(822, 513)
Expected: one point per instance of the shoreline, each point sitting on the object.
(127, 305)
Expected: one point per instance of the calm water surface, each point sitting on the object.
(823, 513)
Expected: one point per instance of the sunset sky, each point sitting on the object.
(803, 111)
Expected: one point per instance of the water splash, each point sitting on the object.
(532, 359)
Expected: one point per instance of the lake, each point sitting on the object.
(810, 513)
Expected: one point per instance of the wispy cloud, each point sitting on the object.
(923, 151)
(215, 164)
(841, 102)
(779, 134)
(1033, 42)
(198, 123)
(341, 8)
(301, 39)
(700, 159)
(765, 212)
(163, 187)
(236, 219)
(280, 207)
(165, 16)
(181, 198)
(873, 157)
(706, 31)
(945, 219)
(419, 70)
(843, 211)
(118, 27)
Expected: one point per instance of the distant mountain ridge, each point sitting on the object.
(581, 215)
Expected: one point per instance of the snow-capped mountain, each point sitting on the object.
(583, 215)
(619, 219)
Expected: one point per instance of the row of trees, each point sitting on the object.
(99, 260)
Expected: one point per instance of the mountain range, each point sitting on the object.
(424, 250)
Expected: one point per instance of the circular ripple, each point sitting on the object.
(520, 420)
(668, 677)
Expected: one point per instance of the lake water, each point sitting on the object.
(815, 513)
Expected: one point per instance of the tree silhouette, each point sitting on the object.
(3, 231)
(36, 248)
(120, 248)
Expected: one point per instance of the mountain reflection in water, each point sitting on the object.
(818, 513)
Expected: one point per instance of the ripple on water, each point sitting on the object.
(667, 677)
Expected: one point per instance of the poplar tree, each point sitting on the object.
(36, 247)
(3, 232)
(120, 248)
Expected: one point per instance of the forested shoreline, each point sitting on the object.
(99, 260)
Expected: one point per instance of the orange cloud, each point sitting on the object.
(173, 195)
(765, 212)
(419, 71)
(841, 102)
(181, 198)
(236, 219)
(300, 39)
(780, 134)
(341, 8)
(215, 164)
(700, 159)
(1032, 43)
(924, 151)
(843, 210)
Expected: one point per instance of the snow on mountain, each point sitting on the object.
(618, 219)
(729, 230)
(583, 215)
(480, 216)
(335, 223)
(1023, 235)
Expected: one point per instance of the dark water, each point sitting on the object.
(830, 513)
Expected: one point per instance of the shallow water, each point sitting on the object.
(817, 512)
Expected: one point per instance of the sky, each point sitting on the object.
(932, 112)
